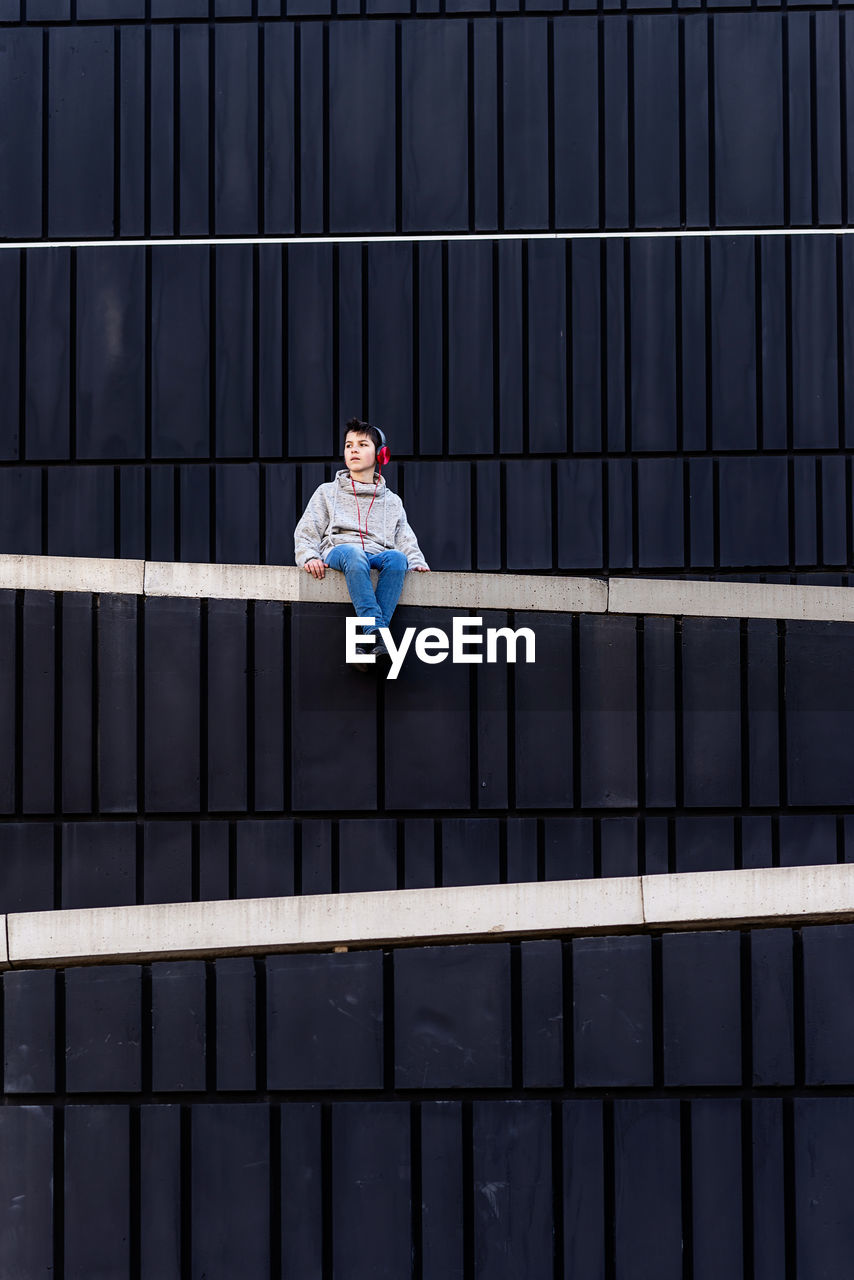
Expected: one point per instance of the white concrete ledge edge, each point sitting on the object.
(411, 917)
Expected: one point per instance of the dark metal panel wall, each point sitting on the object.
(659, 406)
(443, 1095)
(165, 750)
(390, 125)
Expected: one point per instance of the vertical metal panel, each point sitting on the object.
(828, 1026)
(117, 703)
(653, 344)
(192, 109)
(47, 340)
(26, 866)
(172, 698)
(442, 1230)
(180, 329)
(470, 851)
(819, 709)
(583, 1189)
(334, 705)
(452, 1017)
(265, 858)
(178, 1026)
(655, 71)
(97, 1191)
(702, 1008)
(542, 1014)
(235, 129)
(510, 355)
(362, 154)
(309, 353)
(763, 712)
(732, 285)
(567, 846)
(21, 157)
(160, 75)
(525, 110)
(268, 703)
(390, 342)
(131, 130)
(511, 1162)
(167, 862)
(659, 712)
(770, 1209)
(26, 1176)
(227, 705)
(371, 1190)
(815, 403)
(661, 520)
(579, 514)
(37, 745)
(301, 1179)
(160, 1192)
(711, 712)
(435, 126)
(110, 343)
(608, 711)
(427, 737)
(612, 1012)
(823, 1132)
(76, 703)
(586, 342)
(772, 996)
(29, 1033)
(543, 715)
(704, 843)
(367, 855)
(438, 496)
(236, 1024)
(470, 324)
(80, 511)
(485, 37)
(332, 1005)
(98, 864)
(614, 56)
(528, 515)
(547, 347)
(80, 145)
(103, 1019)
(279, 151)
(576, 115)
(716, 1189)
(11, 266)
(748, 97)
(647, 1208)
(230, 1199)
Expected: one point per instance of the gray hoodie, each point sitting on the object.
(331, 519)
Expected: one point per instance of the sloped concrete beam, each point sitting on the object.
(697, 900)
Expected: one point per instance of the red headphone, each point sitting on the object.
(383, 453)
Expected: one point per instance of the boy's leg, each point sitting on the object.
(392, 566)
(354, 564)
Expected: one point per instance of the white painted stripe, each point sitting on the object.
(679, 598)
(680, 233)
(257, 926)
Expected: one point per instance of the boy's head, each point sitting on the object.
(361, 443)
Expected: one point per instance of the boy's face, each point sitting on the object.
(360, 452)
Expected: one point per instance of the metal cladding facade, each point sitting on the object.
(650, 1106)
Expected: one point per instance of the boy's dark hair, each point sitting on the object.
(365, 429)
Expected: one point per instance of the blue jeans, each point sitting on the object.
(356, 566)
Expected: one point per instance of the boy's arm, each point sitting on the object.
(406, 541)
(311, 529)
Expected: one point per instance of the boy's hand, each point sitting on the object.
(420, 568)
(316, 568)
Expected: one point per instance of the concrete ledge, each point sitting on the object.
(676, 597)
(72, 573)
(698, 900)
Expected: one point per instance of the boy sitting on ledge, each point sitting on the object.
(354, 523)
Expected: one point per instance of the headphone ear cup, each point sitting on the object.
(383, 455)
